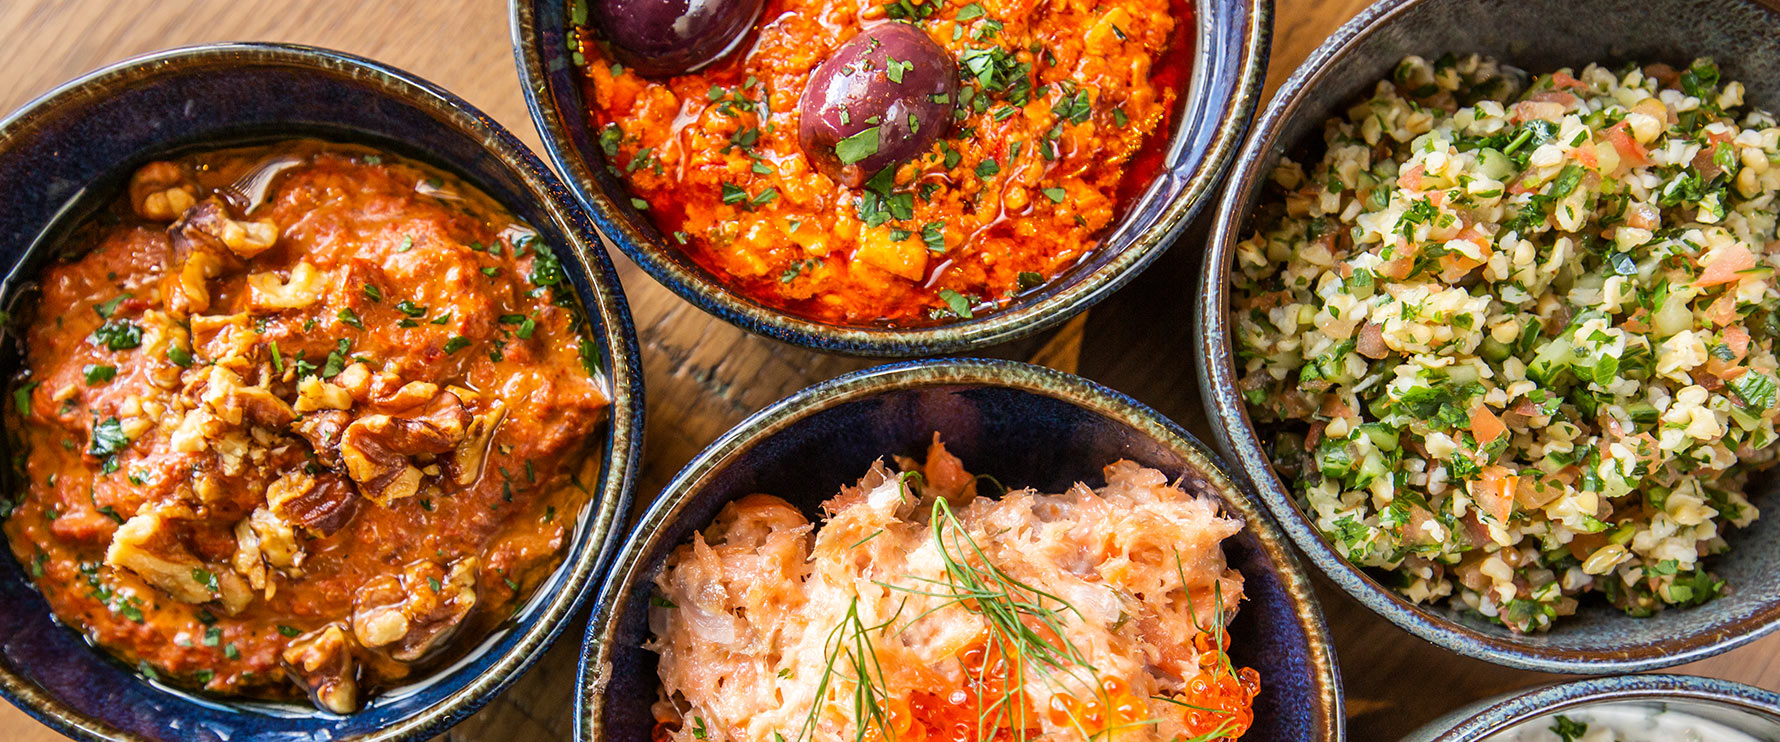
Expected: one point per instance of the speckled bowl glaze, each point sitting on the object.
(1023, 424)
(1229, 63)
(1538, 35)
(74, 148)
(1753, 711)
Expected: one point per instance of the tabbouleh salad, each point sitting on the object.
(1515, 336)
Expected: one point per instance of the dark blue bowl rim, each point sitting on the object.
(1232, 102)
(617, 341)
(1499, 715)
(912, 374)
(1238, 437)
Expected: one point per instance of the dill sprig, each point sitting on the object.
(1025, 624)
(849, 644)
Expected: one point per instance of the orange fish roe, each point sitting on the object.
(1055, 125)
(1220, 698)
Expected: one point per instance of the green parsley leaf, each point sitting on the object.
(118, 334)
(857, 147)
(109, 308)
(97, 374)
(959, 305)
(108, 438)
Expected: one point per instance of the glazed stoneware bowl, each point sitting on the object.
(1536, 35)
(76, 147)
(1229, 61)
(1024, 425)
(1752, 711)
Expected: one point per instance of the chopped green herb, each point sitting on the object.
(959, 305)
(97, 374)
(858, 146)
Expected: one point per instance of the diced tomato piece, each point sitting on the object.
(1411, 178)
(1725, 266)
(1564, 80)
(1485, 426)
(1494, 491)
(1631, 153)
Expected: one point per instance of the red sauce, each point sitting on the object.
(1019, 192)
(311, 431)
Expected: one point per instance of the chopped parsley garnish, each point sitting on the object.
(410, 308)
(933, 234)
(857, 147)
(456, 343)
(350, 317)
(1056, 195)
(336, 359)
(109, 308)
(108, 438)
(1029, 279)
(546, 269)
(97, 374)
(955, 301)
(988, 168)
(1568, 729)
(204, 577)
(373, 293)
(118, 334)
(894, 69)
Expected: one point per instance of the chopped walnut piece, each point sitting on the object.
(376, 449)
(243, 238)
(409, 396)
(162, 191)
(466, 463)
(323, 429)
(188, 289)
(320, 504)
(322, 662)
(145, 546)
(409, 616)
(315, 394)
(303, 287)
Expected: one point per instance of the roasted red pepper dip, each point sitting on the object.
(1057, 104)
(298, 418)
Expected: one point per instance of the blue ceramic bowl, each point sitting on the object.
(1229, 63)
(1023, 424)
(1538, 35)
(76, 147)
(1753, 711)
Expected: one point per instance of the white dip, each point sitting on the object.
(1622, 722)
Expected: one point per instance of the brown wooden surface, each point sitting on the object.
(703, 376)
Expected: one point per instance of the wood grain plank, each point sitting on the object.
(703, 375)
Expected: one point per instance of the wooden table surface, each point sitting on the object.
(702, 375)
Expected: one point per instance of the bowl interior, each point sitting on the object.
(1211, 114)
(77, 148)
(1742, 708)
(1538, 36)
(1023, 438)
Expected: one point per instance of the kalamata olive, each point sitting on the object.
(671, 37)
(880, 100)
